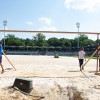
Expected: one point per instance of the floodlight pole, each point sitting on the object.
(4, 23)
(78, 26)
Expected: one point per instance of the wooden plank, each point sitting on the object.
(63, 32)
(91, 56)
(9, 60)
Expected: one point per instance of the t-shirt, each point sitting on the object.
(81, 54)
(0, 49)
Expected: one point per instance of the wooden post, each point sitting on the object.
(9, 61)
(97, 60)
(99, 64)
(91, 57)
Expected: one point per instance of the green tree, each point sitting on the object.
(39, 40)
(29, 42)
(11, 40)
(83, 41)
(65, 42)
(53, 42)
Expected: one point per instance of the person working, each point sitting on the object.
(1, 56)
(81, 57)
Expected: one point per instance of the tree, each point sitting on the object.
(29, 42)
(97, 42)
(11, 40)
(83, 41)
(53, 42)
(65, 42)
(39, 40)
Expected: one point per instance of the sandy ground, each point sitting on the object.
(53, 78)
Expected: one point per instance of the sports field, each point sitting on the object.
(44, 66)
(53, 78)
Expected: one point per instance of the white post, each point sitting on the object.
(4, 23)
(78, 26)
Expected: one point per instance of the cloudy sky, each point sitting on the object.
(54, 15)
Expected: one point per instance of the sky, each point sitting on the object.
(50, 15)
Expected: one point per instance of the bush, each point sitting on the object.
(56, 56)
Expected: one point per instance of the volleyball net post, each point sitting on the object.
(62, 32)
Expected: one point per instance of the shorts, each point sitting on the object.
(0, 58)
(81, 61)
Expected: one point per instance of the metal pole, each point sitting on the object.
(4, 38)
(4, 23)
(78, 26)
(78, 37)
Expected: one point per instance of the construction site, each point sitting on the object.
(50, 78)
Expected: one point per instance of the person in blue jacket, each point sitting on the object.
(1, 49)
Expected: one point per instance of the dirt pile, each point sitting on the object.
(55, 93)
(9, 93)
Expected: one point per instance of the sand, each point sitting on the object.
(53, 78)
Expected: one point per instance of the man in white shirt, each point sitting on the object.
(81, 57)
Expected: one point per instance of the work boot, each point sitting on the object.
(82, 67)
(2, 71)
